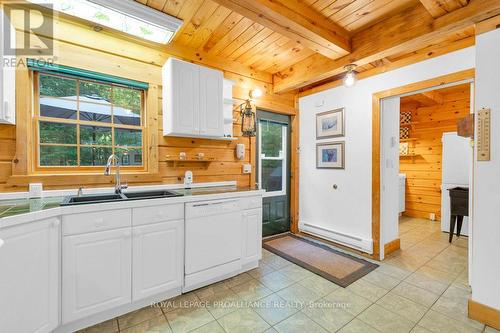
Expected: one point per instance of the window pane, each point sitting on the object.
(94, 155)
(272, 139)
(94, 135)
(129, 156)
(58, 108)
(127, 106)
(93, 111)
(272, 175)
(128, 137)
(57, 87)
(57, 133)
(99, 93)
(57, 156)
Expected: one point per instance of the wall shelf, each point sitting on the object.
(408, 140)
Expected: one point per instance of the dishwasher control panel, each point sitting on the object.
(207, 208)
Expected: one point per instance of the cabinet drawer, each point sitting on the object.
(155, 214)
(98, 221)
(252, 202)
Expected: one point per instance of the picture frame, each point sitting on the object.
(330, 155)
(330, 124)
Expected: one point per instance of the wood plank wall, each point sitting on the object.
(79, 46)
(423, 172)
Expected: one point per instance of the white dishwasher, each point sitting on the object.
(213, 241)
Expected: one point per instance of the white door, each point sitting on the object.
(96, 272)
(186, 95)
(7, 75)
(252, 235)
(389, 171)
(157, 254)
(211, 110)
(29, 277)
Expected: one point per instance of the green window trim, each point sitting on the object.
(45, 67)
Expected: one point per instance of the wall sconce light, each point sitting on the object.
(350, 77)
(248, 121)
(255, 93)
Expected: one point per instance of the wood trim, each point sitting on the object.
(151, 135)
(294, 169)
(21, 162)
(392, 246)
(376, 98)
(484, 314)
(488, 25)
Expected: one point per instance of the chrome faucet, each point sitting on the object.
(113, 159)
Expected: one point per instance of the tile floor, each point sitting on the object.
(420, 289)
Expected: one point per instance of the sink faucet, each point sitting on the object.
(113, 159)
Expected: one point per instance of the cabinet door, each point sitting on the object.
(184, 92)
(157, 252)
(252, 235)
(211, 110)
(29, 277)
(96, 272)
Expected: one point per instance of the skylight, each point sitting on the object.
(123, 15)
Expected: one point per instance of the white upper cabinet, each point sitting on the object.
(7, 76)
(29, 277)
(192, 100)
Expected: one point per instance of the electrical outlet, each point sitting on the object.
(35, 190)
(247, 168)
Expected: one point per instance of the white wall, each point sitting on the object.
(486, 219)
(347, 210)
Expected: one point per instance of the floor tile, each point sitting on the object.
(295, 273)
(276, 281)
(223, 303)
(357, 326)
(490, 330)
(348, 301)
(403, 306)
(242, 321)
(381, 280)
(394, 271)
(319, 285)
(439, 323)
(298, 294)
(154, 325)
(416, 294)
(274, 309)
(420, 329)
(212, 327)
(260, 271)
(299, 323)
(211, 290)
(425, 282)
(367, 290)
(456, 308)
(330, 318)
(276, 262)
(385, 320)
(183, 320)
(138, 316)
(238, 280)
(181, 301)
(251, 290)
(109, 326)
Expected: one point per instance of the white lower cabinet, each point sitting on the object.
(252, 235)
(97, 272)
(29, 277)
(158, 251)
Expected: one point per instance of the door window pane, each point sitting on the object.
(272, 175)
(128, 137)
(57, 156)
(57, 133)
(94, 155)
(94, 135)
(272, 139)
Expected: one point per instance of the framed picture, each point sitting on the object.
(330, 124)
(330, 155)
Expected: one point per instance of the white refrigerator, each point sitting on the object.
(456, 172)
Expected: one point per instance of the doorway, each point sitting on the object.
(273, 171)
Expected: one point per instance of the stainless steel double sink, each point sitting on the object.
(126, 196)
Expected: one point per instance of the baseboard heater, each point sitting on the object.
(365, 245)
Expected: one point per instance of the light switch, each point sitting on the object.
(247, 168)
(35, 190)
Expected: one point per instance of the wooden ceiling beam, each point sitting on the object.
(296, 21)
(438, 8)
(428, 98)
(409, 30)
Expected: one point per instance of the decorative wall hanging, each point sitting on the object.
(405, 118)
(330, 155)
(404, 133)
(403, 148)
(330, 124)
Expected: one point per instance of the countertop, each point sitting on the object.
(18, 211)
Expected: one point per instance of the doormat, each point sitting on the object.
(338, 267)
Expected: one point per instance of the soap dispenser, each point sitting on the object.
(188, 179)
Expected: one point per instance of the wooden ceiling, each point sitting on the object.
(303, 43)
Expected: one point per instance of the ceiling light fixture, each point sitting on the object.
(350, 77)
(126, 16)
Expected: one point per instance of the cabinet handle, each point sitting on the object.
(6, 110)
(1, 242)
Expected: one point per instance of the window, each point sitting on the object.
(79, 122)
(272, 157)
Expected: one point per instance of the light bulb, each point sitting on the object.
(255, 93)
(349, 79)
